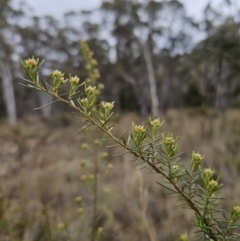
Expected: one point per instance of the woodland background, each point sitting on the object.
(149, 54)
(154, 59)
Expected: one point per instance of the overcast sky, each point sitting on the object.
(59, 7)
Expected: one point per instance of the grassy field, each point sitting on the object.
(42, 173)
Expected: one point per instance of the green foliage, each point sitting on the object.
(193, 97)
(196, 188)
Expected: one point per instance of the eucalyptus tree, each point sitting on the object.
(147, 31)
(23, 35)
(218, 55)
(167, 21)
(8, 16)
(133, 51)
(223, 44)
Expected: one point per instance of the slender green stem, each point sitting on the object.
(227, 229)
(95, 195)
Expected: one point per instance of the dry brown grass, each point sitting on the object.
(40, 178)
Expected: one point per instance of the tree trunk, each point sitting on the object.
(165, 94)
(44, 100)
(140, 93)
(8, 92)
(151, 79)
(221, 101)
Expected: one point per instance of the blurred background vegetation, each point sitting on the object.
(155, 59)
(143, 48)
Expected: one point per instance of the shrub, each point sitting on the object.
(196, 188)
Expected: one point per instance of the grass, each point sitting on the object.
(40, 177)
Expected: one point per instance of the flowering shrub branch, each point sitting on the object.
(196, 187)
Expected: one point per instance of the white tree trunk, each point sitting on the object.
(140, 93)
(8, 92)
(45, 99)
(151, 79)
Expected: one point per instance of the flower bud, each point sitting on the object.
(212, 186)
(88, 80)
(82, 163)
(184, 237)
(56, 74)
(30, 63)
(109, 166)
(61, 226)
(107, 191)
(104, 155)
(206, 175)
(96, 143)
(156, 124)
(91, 177)
(99, 232)
(169, 141)
(74, 80)
(100, 86)
(196, 161)
(79, 200)
(84, 146)
(80, 211)
(58, 80)
(94, 62)
(235, 213)
(175, 168)
(139, 129)
(83, 178)
(107, 105)
(170, 145)
(90, 90)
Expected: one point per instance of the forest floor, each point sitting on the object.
(42, 172)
